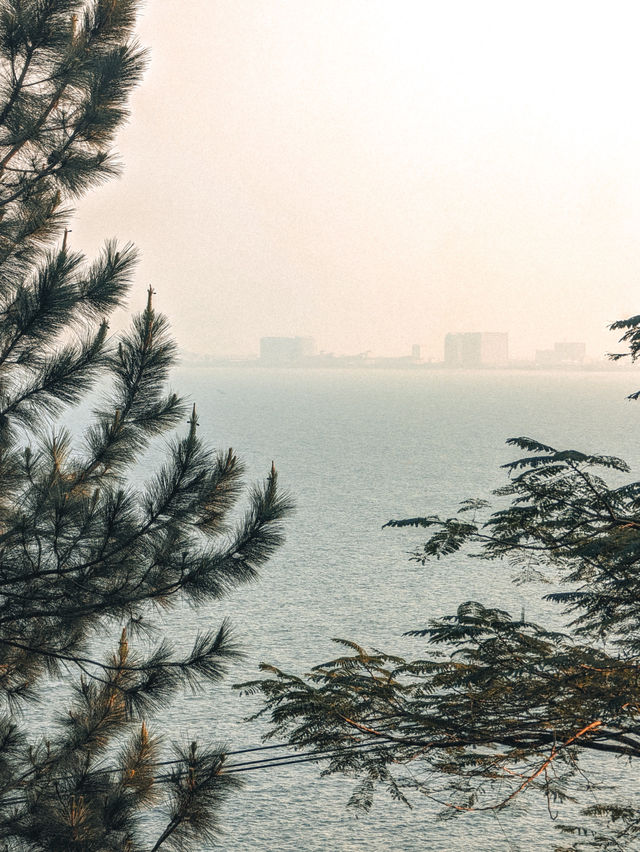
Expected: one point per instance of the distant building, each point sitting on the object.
(453, 350)
(476, 349)
(562, 354)
(573, 352)
(286, 350)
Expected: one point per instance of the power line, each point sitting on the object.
(243, 766)
(311, 757)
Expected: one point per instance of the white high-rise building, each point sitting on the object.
(476, 349)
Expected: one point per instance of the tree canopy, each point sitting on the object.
(499, 706)
(88, 553)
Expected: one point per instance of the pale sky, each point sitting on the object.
(375, 174)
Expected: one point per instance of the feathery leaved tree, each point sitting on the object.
(499, 706)
(84, 550)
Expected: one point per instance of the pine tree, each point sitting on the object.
(499, 707)
(86, 552)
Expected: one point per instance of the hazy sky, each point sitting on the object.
(375, 173)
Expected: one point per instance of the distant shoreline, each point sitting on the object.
(385, 364)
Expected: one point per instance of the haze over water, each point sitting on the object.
(375, 174)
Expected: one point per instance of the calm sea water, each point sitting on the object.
(356, 448)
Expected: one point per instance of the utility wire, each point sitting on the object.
(244, 766)
(311, 757)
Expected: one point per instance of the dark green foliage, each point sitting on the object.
(631, 338)
(498, 707)
(85, 551)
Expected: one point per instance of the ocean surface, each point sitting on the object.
(356, 448)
